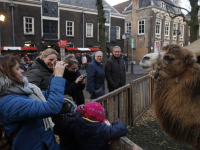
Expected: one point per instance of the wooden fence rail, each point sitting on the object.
(127, 104)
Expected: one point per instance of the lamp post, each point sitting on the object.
(127, 41)
(2, 17)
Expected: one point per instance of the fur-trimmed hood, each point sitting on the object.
(4, 83)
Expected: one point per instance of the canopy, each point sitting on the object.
(194, 46)
(81, 49)
(9, 48)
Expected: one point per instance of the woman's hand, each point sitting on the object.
(79, 79)
(59, 68)
(83, 81)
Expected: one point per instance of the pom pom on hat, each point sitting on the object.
(92, 110)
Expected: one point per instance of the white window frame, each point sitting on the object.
(158, 24)
(141, 25)
(189, 31)
(163, 4)
(175, 28)
(70, 26)
(33, 31)
(127, 26)
(182, 30)
(181, 44)
(118, 31)
(167, 28)
(199, 29)
(165, 43)
(90, 29)
(106, 24)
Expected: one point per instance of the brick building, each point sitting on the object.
(151, 26)
(42, 23)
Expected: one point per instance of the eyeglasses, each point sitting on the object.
(74, 69)
(99, 56)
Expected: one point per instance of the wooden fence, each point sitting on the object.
(127, 104)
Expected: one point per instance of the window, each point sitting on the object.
(28, 25)
(69, 28)
(167, 27)
(199, 29)
(128, 27)
(107, 33)
(118, 32)
(158, 26)
(50, 29)
(165, 43)
(107, 16)
(181, 30)
(89, 30)
(141, 24)
(189, 31)
(175, 29)
(163, 5)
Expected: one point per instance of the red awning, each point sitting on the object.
(81, 49)
(9, 48)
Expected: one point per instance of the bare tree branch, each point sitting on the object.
(176, 6)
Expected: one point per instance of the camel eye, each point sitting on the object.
(169, 59)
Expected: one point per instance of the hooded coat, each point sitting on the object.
(21, 111)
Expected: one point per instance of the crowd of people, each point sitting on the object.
(34, 102)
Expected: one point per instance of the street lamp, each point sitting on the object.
(2, 17)
(127, 34)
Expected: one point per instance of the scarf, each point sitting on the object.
(41, 62)
(70, 76)
(33, 93)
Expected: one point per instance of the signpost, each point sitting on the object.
(62, 44)
(158, 46)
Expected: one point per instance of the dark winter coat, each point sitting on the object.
(115, 73)
(72, 88)
(96, 135)
(19, 110)
(39, 74)
(77, 133)
(95, 76)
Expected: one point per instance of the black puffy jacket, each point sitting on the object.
(39, 74)
(115, 73)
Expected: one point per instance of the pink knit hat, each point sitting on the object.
(92, 110)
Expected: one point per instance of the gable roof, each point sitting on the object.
(142, 4)
(122, 6)
(90, 4)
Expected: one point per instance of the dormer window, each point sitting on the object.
(163, 5)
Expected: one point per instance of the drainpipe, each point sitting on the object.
(13, 25)
(83, 29)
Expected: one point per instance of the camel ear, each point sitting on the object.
(190, 59)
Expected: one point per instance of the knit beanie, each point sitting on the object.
(92, 110)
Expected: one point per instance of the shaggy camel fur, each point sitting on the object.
(176, 92)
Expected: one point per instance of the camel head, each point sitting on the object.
(172, 61)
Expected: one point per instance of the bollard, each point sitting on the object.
(132, 67)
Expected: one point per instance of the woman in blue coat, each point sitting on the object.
(96, 76)
(23, 105)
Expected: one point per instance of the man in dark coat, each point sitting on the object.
(115, 70)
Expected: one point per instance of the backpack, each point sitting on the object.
(5, 142)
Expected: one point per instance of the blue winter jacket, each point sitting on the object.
(95, 76)
(19, 110)
(96, 135)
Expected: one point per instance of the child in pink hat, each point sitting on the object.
(91, 131)
(87, 129)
